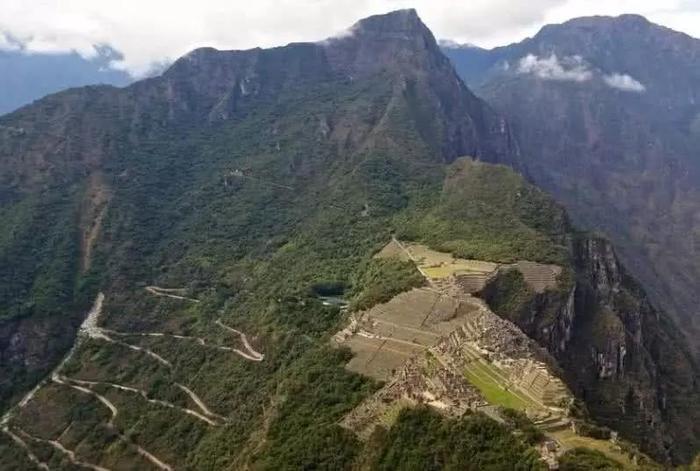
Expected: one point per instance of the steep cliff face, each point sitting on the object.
(29, 347)
(607, 113)
(623, 357)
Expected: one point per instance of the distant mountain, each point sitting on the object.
(222, 208)
(607, 113)
(29, 76)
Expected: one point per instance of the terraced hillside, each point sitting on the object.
(442, 347)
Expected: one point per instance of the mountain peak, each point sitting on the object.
(621, 24)
(633, 19)
(399, 22)
(395, 40)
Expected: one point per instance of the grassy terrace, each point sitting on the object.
(492, 391)
(490, 381)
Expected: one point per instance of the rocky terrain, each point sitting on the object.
(606, 112)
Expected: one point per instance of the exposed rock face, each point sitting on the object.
(28, 348)
(619, 354)
(215, 85)
(607, 114)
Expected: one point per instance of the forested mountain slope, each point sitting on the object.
(64, 158)
(215, 205)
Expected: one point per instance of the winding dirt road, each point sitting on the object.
(199, 340)
(22, 444)
(114, 411)
(168, 293)
(200, 403)
(144, 395)
(90, 329)
(252, 354)
(70, 454)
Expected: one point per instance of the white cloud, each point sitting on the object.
(150, 31)
(153, 30)
(624, 82)
(571, 68)
(574, 69)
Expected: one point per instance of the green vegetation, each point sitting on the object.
(517, 420)
(38, 255)
(39, 280)
(423, 440)
(382, 279)
(487, 379)
(507, 294)
(254, 216)
(488, 212)
(305, 433)
(584, 459)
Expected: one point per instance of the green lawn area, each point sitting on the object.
(485, 378)
(491, 390)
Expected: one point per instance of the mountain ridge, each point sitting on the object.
(623, 138)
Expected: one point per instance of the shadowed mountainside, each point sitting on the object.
(607, 114)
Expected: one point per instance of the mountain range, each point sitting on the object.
(181, 257)
(606, 111)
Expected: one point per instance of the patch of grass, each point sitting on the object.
(443, 271)
(493, 391)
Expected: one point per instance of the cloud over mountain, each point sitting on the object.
(624, 82)
(570, 68)
(573, 69)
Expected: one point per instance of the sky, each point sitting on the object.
(149, 32)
